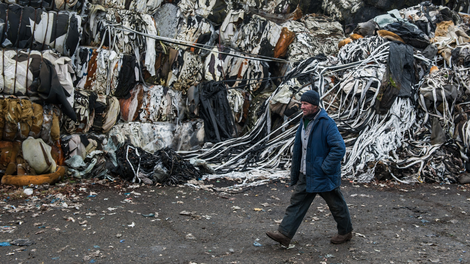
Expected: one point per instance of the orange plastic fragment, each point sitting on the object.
(286, 38)
(25, 180)
(344, 42)
(389, 35)
(433, 69)
(355, 36)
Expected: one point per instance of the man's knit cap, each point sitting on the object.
(311, 97)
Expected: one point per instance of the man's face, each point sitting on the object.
(308, 108)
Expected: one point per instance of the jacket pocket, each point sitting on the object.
(318, 166)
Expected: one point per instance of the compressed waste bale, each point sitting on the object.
(32, 28)
(43, 76)
(148, 136)
(161, 104)
(106, 72)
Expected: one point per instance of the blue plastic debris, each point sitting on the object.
(257, 244)
(5, 244)
(148, 215)
(96, 246)
(122, 241)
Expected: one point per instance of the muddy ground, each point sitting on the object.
(98, 222)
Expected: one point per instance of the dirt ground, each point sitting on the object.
(98, 222)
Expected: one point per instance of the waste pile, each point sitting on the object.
(167, 91)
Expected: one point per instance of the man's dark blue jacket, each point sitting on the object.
(324, 154)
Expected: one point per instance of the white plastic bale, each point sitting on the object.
(148, 136)
(160, 106)
(16, 75)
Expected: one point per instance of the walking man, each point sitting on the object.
(316, 169)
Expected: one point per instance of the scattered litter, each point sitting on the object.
(69, 219)
(28, 191)
(149, 215)
(62, 249)
(190, 236)
(359, 235)
(92, 255)
(7, 229)
(187, 213)
(22, 242)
